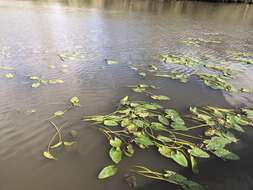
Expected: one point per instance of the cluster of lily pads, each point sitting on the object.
(148, 125)
(144, 88)
(53, 144)
(37, 81)
(198, 41)
(241, 57)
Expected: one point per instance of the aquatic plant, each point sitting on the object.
(182, 77)
(243, 57)
(181, 60)
(215, 81)
(227, 72)
(149, 125)
(39, 81)
(74, 101)
(198, 41)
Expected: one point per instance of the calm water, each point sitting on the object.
(32, 33)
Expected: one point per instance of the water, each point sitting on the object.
(32, 33)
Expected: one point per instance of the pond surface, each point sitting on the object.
(33, 33)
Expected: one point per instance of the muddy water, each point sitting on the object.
(32, 33)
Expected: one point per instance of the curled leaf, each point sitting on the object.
(48, 155)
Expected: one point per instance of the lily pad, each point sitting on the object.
(107, 171)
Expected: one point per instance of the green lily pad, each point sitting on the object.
(107, 171)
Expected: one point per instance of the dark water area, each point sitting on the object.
(32, 33)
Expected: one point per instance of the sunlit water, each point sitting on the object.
(32, 33)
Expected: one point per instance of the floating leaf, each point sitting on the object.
(111, 62)
(59, 113)
(110, 123)
(157, 126)
(116, 142)
(34, 78)
(51, 66)
(35, 85)
(142, 74)
(143, 140)
(163, 120)
(195, 151)
(68, 143)
(216, 143)
(115, 154)
(181, 60)
(223, 153)
(75, 101)
(129, 150)
(9, 76)
(48, 155)
(124, 100)
(160, 97)
(248, 112)
(165, 151)
(163, 138)
(55, 81)
(107, 171)
(6, 68)
(179, 157)
(138, 89)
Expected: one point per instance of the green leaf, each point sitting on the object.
(160, 97)
(165, 151)
(124, 100)
(139, 123)
(163, 138)
(48, 155)
(194, 165)
(223, 153)
(179, 126)
(35, 84)
(55, 81)
(75, 101)
(111, 62)
(9, 76)
(56, 145)
(110, 123)
(163, 120)
(115, 154)
(116, 142)
(142, 74)
(216, 143)
(179, 158)
(125, 122)
(107, 171)
(129, 150)
(143, 140)
(67, 143)
(138, 89)
(248, 112)
(59, 113)
(195, 151)
(34, 78)
(157, 126)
